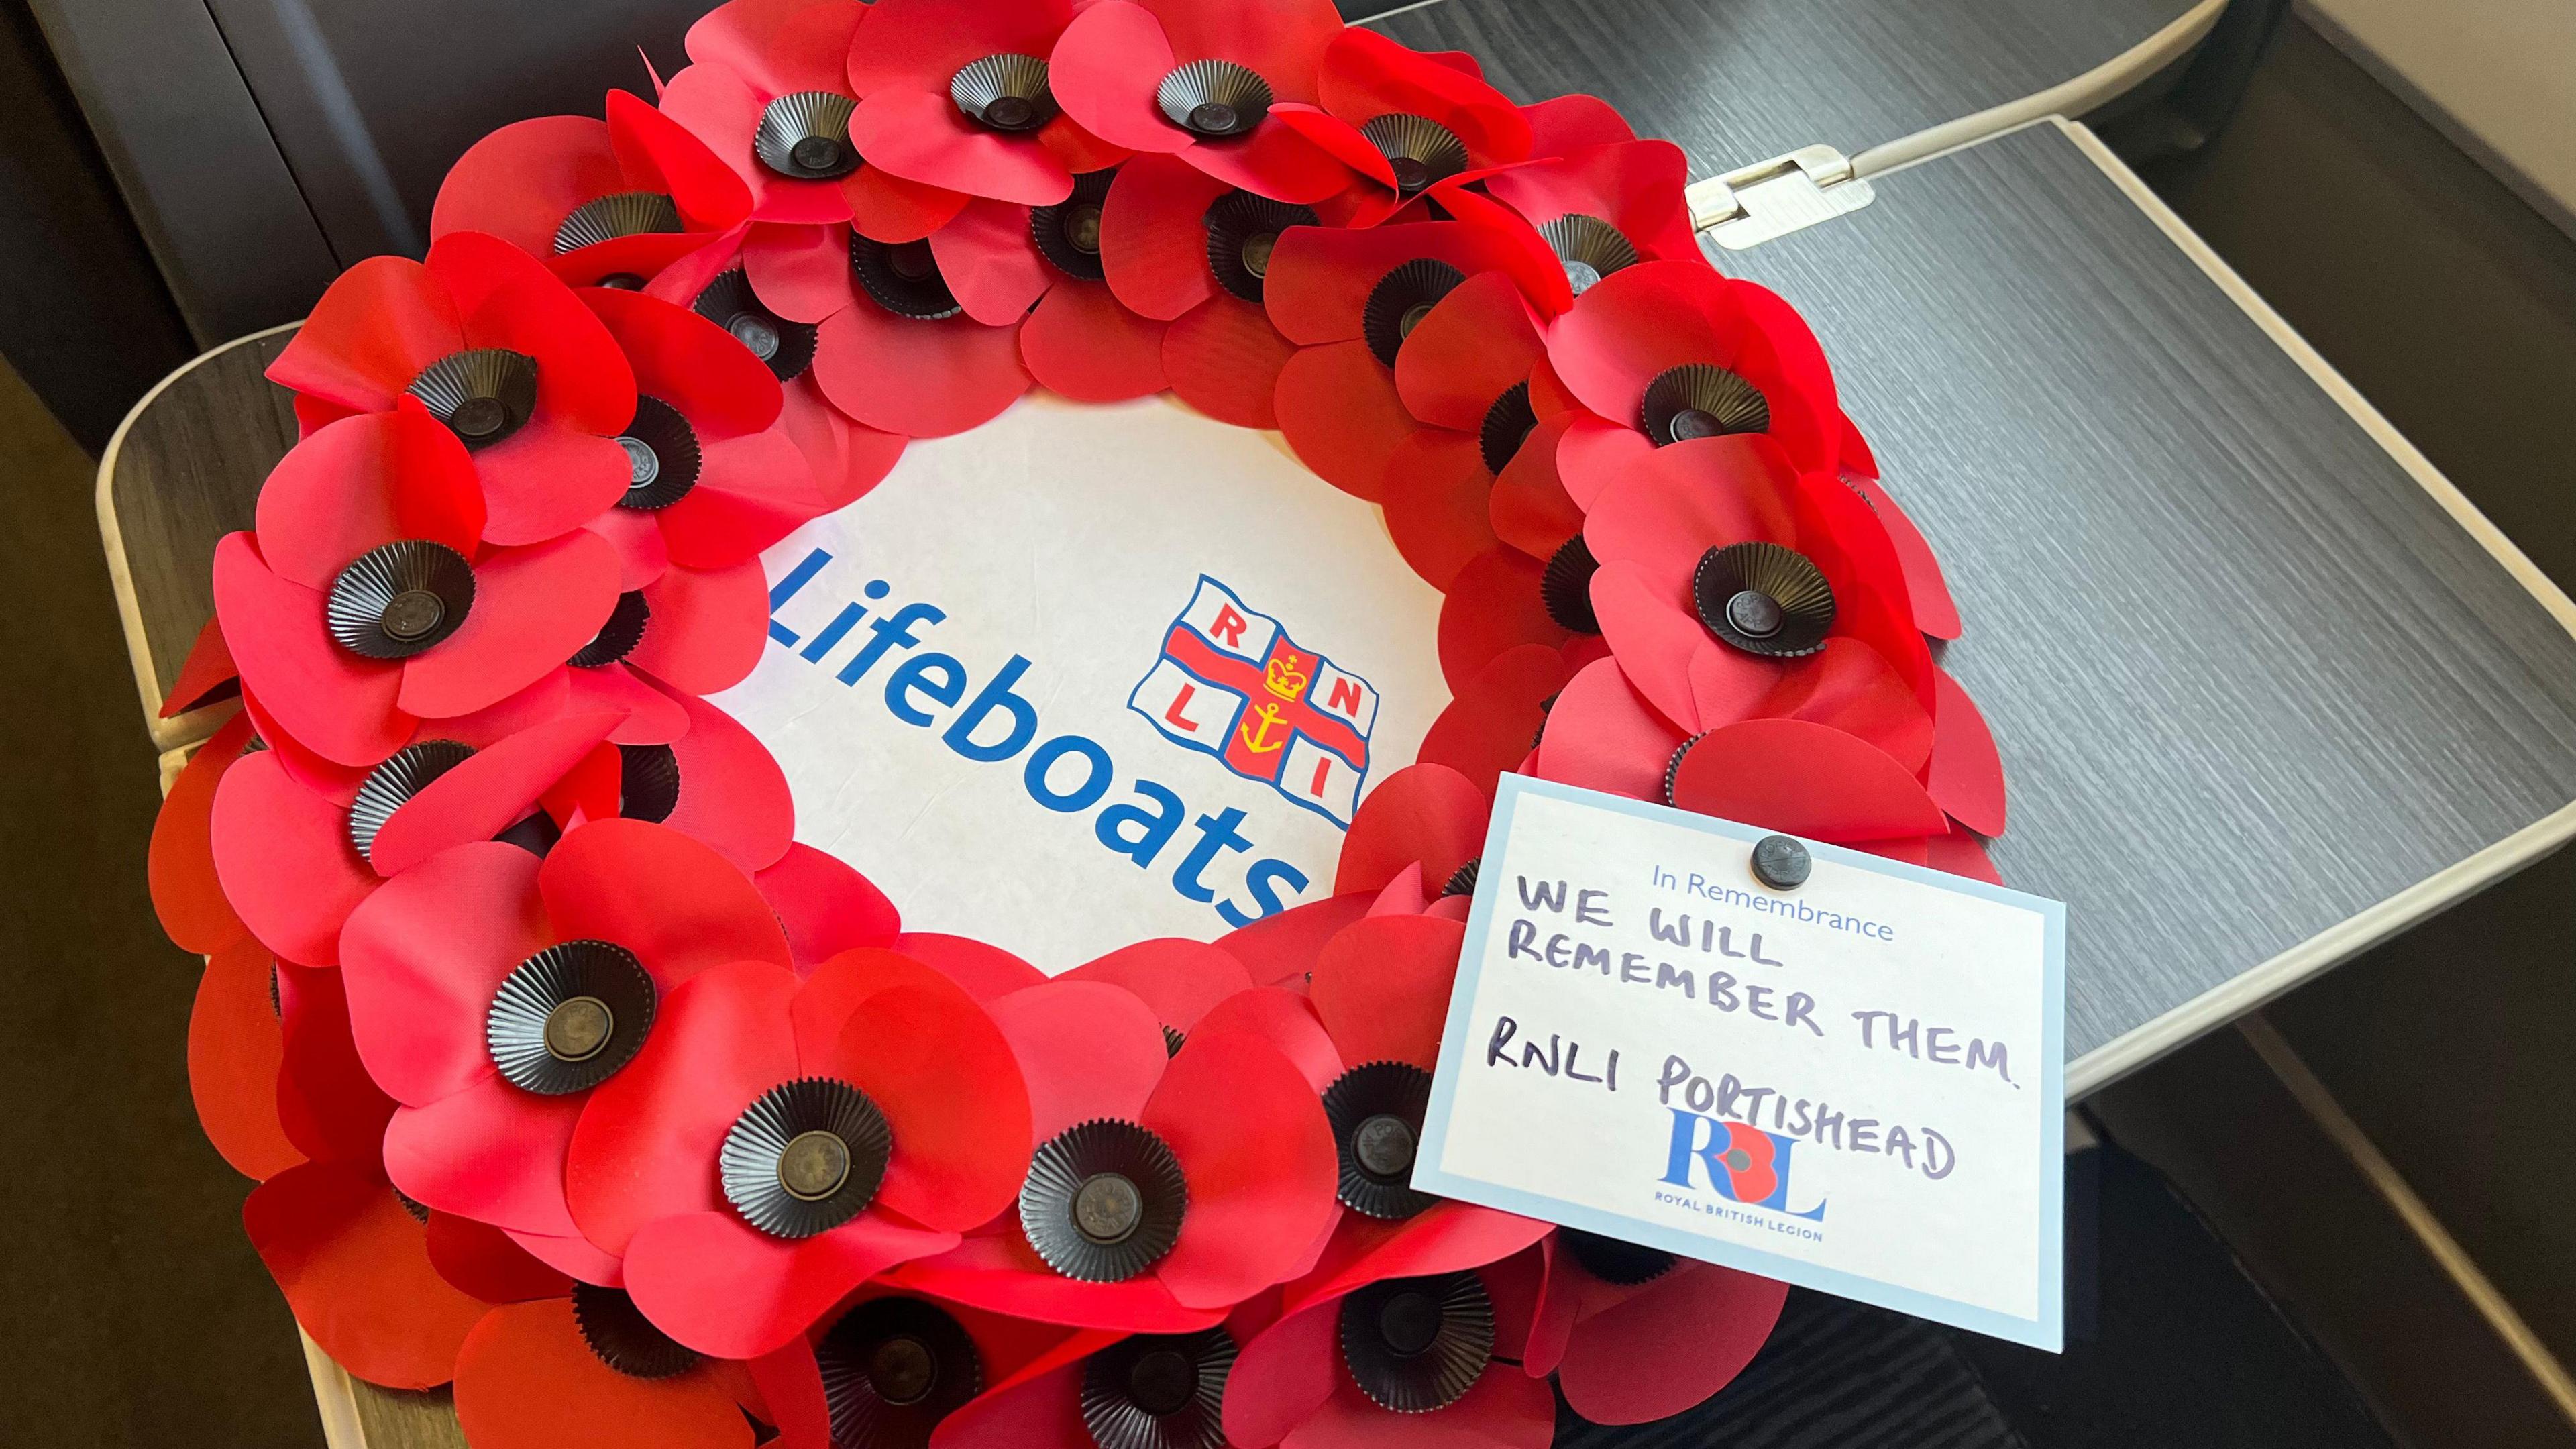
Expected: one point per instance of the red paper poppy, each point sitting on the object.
(898, 345)
(689, 1163)
(1603, 208)
(1324, 1375)
(1425, 818)
(561, 1372)
(712, 480)
(1654, 1337)
(1731, 589)
(957, 96)
(1198, 79)
(825, 907)
(1403, 122)
(1226, 1151)
(603, 203)
(329, 1108)
(1165, 227)
(180, 868)
(1352, 301)
(353, 1261)
(363, 602)
(459, 972)
(487, 341)
(883, 1345)
(768, 91)
(295, 861)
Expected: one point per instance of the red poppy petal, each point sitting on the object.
(422, 958)
(1001, 1274)
(490, 792)
(1282, 1377)
(1447, 1237)
(648, 143)
(235, 1051)
(1850, 686)
(1258, 1155)
(521, 181)
(1670, 1346)
(987, 972)
(800, 272)
(943, 1074)
(1567, 123)
(674, 901)
(1275, 161)
(647, 1141)
(332, 701)
(1427, 814)
(1087, 1049)
(1081, 343)
(1493, 605)
(575, 1258)
(689, 362)
(1285, 41)
(920, 135)
(751, 492)
(1153, 238)
(889, 208)
(180, 866)
(1382, 988)
(1806, 779)
(329, 1107)
(921, 379)
(642, 552)
(837, 988)
(1594, 454)
(1635, 186)
(1967, 777)
(1044, 1412)
(1338, 408)
(1287, 1021)
(847, 458)
(723, 1287)
(525, 1379)
(1281, 949)
(548, 477)
(507, 298)
(1439, 502)
(377, 326)
(1342, 141)
(1636, 323)
(1653, 640)
(533, 607)
(787, 1393)
(283, 856)
(1488, 728)
(482, 1260)
(706, 628)
(825, 906)
(1673, 505)
(1224, 359)
(651, 717)
(987, 259)
(1471, 348)
(733, 795)
(356, 1270)
(1935, 612)
(915, 41)
(1961, 854)
(1103, 71)
(207, 669)
(491, 1152)
(364, 481)
(1368, 74)
(1179, 979)
(1531, 509)
(1602, 735)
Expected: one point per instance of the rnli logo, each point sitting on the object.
(1231, 683)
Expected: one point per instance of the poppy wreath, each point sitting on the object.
(569, 1077)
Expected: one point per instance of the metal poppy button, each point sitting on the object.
(816, 153)
(813, 1166)
(1213, 118)
(1107, 1208)
(641, 466)
(479, 417)
(1384, 1145)
(577, 1030)
(1755, 613)
(1410, 175)
(757, 333)
(412, 614)
(1780, 862)
(1163, 1381)
(1409, 1322)
(903, 1371)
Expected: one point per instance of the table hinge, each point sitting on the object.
(1751, 205)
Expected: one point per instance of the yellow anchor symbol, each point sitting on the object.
(1258, 740)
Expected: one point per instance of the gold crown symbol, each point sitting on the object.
(1284, 678)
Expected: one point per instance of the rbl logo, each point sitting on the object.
(1743, 1164)
(1232, 684)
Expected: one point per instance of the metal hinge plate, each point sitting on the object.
(1751, 205)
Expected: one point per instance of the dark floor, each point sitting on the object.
(142, 1319)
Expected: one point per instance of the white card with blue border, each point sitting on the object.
(1853, 1081)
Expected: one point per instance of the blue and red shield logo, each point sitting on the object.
(1231, 683)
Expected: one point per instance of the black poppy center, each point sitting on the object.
(1410, 174)
(579, 1029)
(1256, 252)
(662, 454)
(1588, 248)
(1384, 1145)
(1010, 113)
(1242, 236)
(1215, 100)
(1003, 92)
(1737, 1158)
(1107, 1208)
(816, 153)
(1082, 229)
(911, 261)
(1755, 614)
(1411, 319)
(643, 465)
(1418, 150)
(1614, 1261)
(412, 614)
(1692, 423)
(1408, 1322)
(756, 332)
(392, 784)
(1214, 118)
(806, 1157)
(1418, 1344)
(483, 394)
(1163, 1381)
(397, 599)
(479, 417)
(1700, 400)
(806, 136)
(620, 1336)
(1375, 1111)
(1399, 302)
(903, 1370)
(903, 278)
(787, 347)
